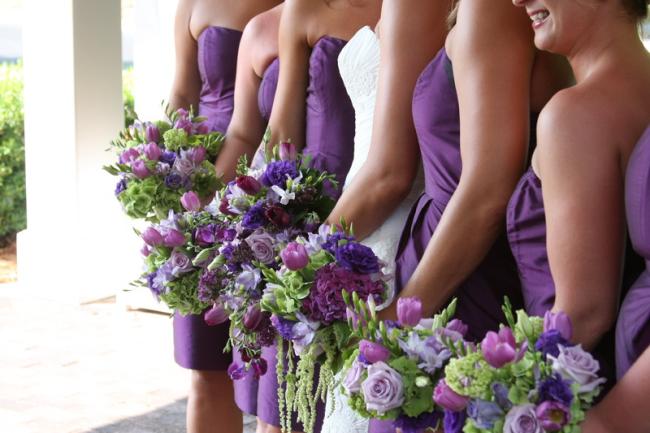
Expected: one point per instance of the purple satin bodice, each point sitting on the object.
(268, 86)
(217, 62)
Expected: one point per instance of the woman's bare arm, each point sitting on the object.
(186, 86)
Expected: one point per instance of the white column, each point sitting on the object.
(77, 245)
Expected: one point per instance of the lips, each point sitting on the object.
(538, 17)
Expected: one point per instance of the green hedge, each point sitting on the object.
(12, 146)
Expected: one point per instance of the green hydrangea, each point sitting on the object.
(183, 295)
(417, 399)
(175, 139)
(470, 375)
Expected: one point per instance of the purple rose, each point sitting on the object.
(190, 201)
(261, 244)
(152, 133)
(140, 170)
(215, 315)
(255, 217)
(278, 172)
(453, 422)
(575, 364)
(168, 157)
(152, 151)
(555, 388)
(152, 237)
(559, 322)
(129, 155)
(248, 184)
(522, 419)
(549, 341)
(236, 371)
(288, 151)
(383, 389)
(552, 415)
(294, 256)
(183, 166)
(447, 398)
(353, 378)
(373, 352)
(357, 258)
(278, 216)
(173, 238)
(173, 180)
(252, 317)
(409, 311)
(196, 154)
(204, 235)
(501, 349)
(484, 413)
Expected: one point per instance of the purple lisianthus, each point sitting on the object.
(294, 256)
(155, 284)
(552, 415)
(358, 258)
(419, 424)
(191, 201)
(453, 422)
(173, 180)
(559, 322)
(173, 238)
(248, 184)
(373, 352)
(522, 419)
(500, 392)
(121, 186)
(255, 217)
(278, 216)
(129, 155)
(152, 133)
(140, 170)
(236, 371)
(331, 243)
(152, 151)
(196, 154)
(249, 277)
(225, 234)
(447, 398)
(278, 172)
(283, 326)
(152, 237)
(578, 365)
(501, 349)
(168, 157)
(549, 341)
(555, 388)
(205, 235)
(215, 315)
(409, 311)
(354, 376)
(484, 413)
(383, 389)
(261, 243)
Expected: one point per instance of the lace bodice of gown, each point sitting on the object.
(359, 67)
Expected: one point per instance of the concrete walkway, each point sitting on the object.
(87, 369)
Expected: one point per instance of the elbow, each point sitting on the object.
(393, 185)
(590, 322)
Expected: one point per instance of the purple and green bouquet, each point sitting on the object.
(259, 213)
(397, 366)
(173, 260)
(306, 297)
(526, 378)
(158, 162)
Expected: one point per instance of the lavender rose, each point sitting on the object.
(261, 243)
(575, 364)
(522, 419)
(180, 263)
(383, 389)
(353, 379)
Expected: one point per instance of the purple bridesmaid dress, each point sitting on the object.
(633, 326)
(198, 346)
(330, 141)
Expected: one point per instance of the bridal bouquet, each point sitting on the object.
(306, 296)
(261, 212)
(527, 378)
(398, 365)
(171, 251)
(158, 162)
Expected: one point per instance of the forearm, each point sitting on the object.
(179, 100)
(234, 147)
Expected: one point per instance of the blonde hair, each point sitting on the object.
(451, 18)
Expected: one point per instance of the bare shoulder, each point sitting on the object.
(264, 24)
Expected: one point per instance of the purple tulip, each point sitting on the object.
(185, 124)
(501, 349)
(129, 155)
(559, 322)
(174, 238)
(201, 128)
(152, 151)
(458, 326)
(145, 250)
(447, 398)
(152, 133)
(409, 311)
(288, 151)
(215, 315)
(373, 352)
(278, 216)
(253, 317)
(553, 416)
(190, 201)
(152, 237)
(248, 184)
(294, 256)
(139, 169)
(196, 154)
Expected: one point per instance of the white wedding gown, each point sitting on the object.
(359, 68)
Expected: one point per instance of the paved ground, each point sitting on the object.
(90, 369)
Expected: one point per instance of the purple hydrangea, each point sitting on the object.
(555, 388)
(418, 424)
(121, 186)
(168, 157)
(549, 341)
(173, 180)
(277, 173)
(325, 301)
(357, 258)
(254, 218)
(454, 421)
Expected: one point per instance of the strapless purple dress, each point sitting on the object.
(198, 346)
(633, 326)
(330, 141)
